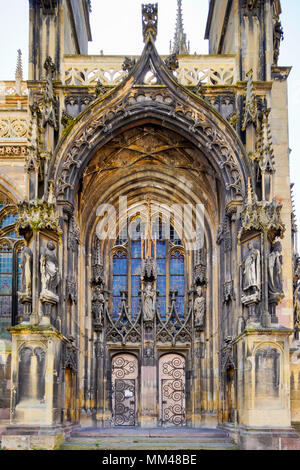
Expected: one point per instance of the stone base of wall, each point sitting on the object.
(35, 438)
(263, 438)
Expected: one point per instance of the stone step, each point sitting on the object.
(149, 432)
(161, 439)
(163, 444)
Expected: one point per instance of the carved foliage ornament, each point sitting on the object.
(263, 216)
(14, 151)
(37, 216)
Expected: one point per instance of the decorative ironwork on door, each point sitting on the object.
(124, 377)
(172, 390)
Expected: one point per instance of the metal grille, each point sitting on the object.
(172, 390)
(124, 376)
(124, 403)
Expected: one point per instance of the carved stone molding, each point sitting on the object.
(14, 151)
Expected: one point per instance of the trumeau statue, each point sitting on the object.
(199, 307)
(275, 269)
(26, 269)
(252, 271)
(49, 272)
(149, 303)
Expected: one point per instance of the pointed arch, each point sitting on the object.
(168, 105)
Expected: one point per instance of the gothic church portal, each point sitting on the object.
(114, 313)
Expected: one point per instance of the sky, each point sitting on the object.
(117, 29)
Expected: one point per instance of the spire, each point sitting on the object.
(180, 45)
(19, 73)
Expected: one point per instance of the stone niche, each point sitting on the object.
(268, 377)
(29, 394)
(263, 378)
(31, 375)
(36, 389)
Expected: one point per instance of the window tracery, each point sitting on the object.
(10, 272)
(127, 255)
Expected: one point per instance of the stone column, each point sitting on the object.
(35, 421)
(263, 384)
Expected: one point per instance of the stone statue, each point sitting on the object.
(49, 272)
(297, 306)
(252, 271)
(277, 38)
(199, 308)
(275, 269)
(98, 302)
(149, 303)
(26, 269)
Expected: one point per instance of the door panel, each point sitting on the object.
(124, 390)
(172, 390)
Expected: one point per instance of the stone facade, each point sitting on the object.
(194, 326)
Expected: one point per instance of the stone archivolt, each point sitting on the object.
(161, 132)
(165, 104)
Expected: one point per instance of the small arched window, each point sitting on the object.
(127, 261)
(10, 272)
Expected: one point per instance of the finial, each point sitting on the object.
(150, 20)
(180, 44)
(19, 73)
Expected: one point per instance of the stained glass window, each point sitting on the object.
(8, 219)
(119, 279)
(126, 273)
(177, 279)
(10, 271)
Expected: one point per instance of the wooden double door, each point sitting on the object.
(171, 390)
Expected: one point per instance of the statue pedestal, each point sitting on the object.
(263, 389)
(35, 408)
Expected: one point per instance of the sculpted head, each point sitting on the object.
(250, 246)
(199, 291)
(51, 246)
